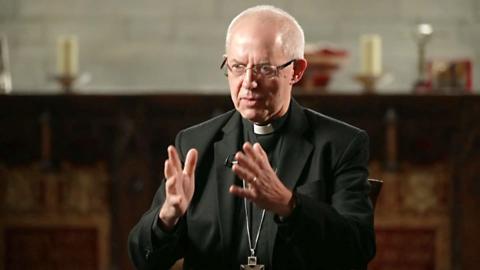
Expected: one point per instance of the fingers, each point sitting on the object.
(250, 152)
(253, 161)
(173, 158)
(168, 169)
(169, 172)
(258, 148)
(256, 154)
(244, 173)
(191, 162)
(242, 192)
(172, 168)
(174, 165)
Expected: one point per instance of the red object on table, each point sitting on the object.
(322, 64)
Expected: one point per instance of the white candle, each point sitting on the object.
(67, 56)
(371, 55)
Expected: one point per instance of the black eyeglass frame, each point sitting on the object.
(277, 68)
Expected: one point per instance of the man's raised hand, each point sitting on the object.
(179, 186)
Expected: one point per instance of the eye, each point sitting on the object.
(238, 67)
(266, 69)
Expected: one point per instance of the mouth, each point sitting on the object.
(251, 101)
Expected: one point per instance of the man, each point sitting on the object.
(269, 185)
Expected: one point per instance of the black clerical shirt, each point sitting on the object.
(272, 144)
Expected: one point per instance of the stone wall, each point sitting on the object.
(152, 46)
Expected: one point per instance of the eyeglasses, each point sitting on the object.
(264, 70)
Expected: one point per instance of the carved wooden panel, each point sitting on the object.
(412, 218)
(23, 190)
(54, 218)
(405, 249)
(51, 248)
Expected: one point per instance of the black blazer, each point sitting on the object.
(324, 161)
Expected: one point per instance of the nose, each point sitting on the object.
(249, 79)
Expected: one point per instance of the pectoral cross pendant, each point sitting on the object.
(252, 264)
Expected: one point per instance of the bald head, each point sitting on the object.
(269, 20)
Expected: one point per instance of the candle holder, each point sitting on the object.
(423, 35)
(369, 82)
(68, 82)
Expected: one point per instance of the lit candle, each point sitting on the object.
(371, 55)
(67, 56)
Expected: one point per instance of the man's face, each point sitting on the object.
(257, 98)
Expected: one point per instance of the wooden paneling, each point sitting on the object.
(51, 248)
(94, 162)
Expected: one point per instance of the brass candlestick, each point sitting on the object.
(66, 82)
(369, 82)
(69, 82)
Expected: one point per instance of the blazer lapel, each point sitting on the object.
(296, 148)
(224, 148)
(294, 156)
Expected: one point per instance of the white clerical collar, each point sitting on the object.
(263, 130)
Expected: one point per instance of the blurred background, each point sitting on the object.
(92, 92)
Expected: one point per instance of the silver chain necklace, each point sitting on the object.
(252, 248)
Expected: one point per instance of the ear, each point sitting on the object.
(299, 68)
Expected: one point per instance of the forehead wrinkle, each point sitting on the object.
(246, 55)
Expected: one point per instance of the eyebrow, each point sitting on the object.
(261, 62)
(237, 62)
